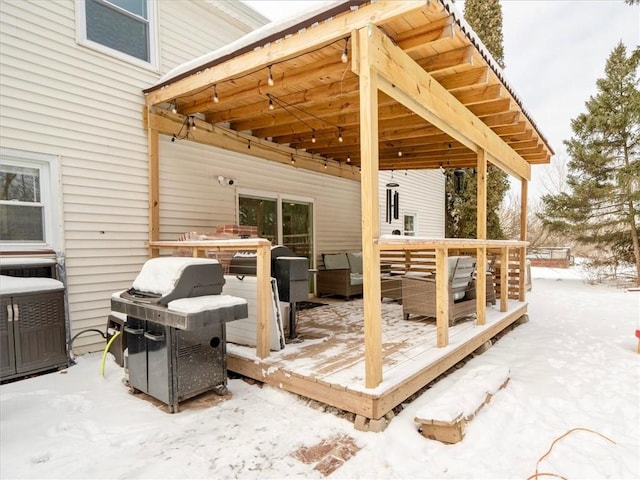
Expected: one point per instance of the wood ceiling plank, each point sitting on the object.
(403, 79)
(306, 41)
(417, 37)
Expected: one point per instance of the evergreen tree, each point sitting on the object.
(602, 207)
(485, 17)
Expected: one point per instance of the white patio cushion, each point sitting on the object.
(335, 261)
(355, 262)
(355, 279)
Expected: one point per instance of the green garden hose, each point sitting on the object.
(106, 349)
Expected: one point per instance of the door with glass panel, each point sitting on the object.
(282, 221)
(262, 213)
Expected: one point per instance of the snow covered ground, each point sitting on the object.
(574, 365)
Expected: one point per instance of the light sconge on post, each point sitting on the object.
(458, 179)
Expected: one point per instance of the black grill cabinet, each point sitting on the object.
(177, 346)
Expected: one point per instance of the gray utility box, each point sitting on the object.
(32, 331)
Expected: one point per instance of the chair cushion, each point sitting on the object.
(355, 262)
(356, 279)
(335, 261)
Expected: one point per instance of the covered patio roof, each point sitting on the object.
(350, 90)
(309, 115)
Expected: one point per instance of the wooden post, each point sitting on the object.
(522, 287)
(370, 210)
(263, 277)
(481, 233)
(442, 298)
(504, 278)
(154, 190)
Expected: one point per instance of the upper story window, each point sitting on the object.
(123, 28)
(29, 215)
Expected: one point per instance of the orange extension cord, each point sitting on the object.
(545, 474)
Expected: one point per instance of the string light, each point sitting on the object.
(345, 52)
(313, 136)
(340, 139)
(215, 94)
(293, 160)
(325, 165)
(270, 78)
(174, 108)
(348, 158)
(399, 153)
(271, 107)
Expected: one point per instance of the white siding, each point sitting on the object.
(191, 199)
(421, 194)
(67, 100)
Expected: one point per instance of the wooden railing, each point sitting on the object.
(402, 255)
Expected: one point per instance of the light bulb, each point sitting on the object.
(215, 95)
(313, 138)
(270, 78)
(271, 107)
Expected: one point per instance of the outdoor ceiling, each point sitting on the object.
(315, 96)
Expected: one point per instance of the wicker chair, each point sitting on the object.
(419, 293)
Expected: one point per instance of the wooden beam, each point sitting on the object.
(504, 279)
(404, 80)
(370, 211)
(481, 233)
(312, 38)
(481, 201)
(448, 60)
(442, 298)
(419, 37)
(522, 290)
(154, 188)
(168, 124)
(263, 300)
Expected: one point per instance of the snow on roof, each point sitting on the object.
(12, 285)
(159, 275)
(255, 36)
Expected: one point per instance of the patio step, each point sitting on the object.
(445, 418)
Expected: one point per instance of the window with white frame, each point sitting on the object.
(28, 215)
(409, 225)
(123, 28)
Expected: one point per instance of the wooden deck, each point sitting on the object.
(328, 365)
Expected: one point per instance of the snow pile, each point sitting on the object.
(12, 285)
(159, 275)
(204, 303)
(464, 397)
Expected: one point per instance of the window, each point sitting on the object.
(410, 225)
(124, 28)
(27, 214)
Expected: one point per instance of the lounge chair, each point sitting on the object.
(419, 292)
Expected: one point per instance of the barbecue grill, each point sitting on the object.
(175, 328)
(290, 271)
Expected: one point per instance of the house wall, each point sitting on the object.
(421, 194)
(64, 99)
(189, 177)
(60, 98)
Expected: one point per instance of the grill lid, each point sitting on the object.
(164, 279)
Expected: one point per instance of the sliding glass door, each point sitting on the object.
(282, 220)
